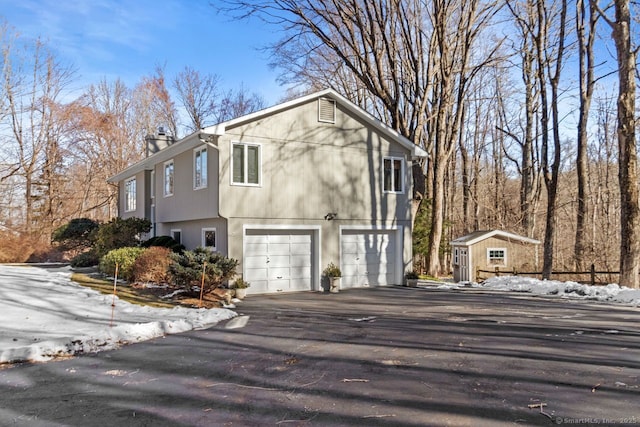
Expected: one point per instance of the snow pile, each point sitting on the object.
(608, 293)
(43, 314)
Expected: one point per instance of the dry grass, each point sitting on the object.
(141, 295)
(134, 295)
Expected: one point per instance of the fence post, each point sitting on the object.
(515, 272)
(497, 271)
(593, 274)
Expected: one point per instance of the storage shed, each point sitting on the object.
(489, 249)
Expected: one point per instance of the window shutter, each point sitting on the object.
(326, 110)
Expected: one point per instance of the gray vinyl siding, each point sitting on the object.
(187, 203)
(311, 168)
(142, 196)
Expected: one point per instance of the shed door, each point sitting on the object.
(277, 260)
(464, 265)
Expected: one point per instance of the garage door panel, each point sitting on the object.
(255, 261)
(256, 247)
(299, 273)
(277, 261)
(253, 274)
(279, 248)
(279, 273)
(278, 238)
(300, 238)
(301, 248)
(300, 261)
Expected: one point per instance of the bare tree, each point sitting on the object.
(586, 19)
(620, 24)
(33, 84)
(152, 93)
(198, 95)
(237, 103)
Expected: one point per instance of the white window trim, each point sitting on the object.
(402, 174)
(204, 230)
(176, 230)
(204, 182)
(128, 206)
(456, 256)
(504, 260)
(246, 160)
(164, 178)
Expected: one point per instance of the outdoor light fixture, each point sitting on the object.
(330, 216)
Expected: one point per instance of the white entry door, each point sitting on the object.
(368, 258)
(277, 260)
(464, 265)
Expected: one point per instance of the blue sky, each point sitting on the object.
(127, 39)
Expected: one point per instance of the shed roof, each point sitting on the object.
(480, 235)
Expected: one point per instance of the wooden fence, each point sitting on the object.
(594, 277)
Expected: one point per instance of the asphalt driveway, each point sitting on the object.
(388, 356)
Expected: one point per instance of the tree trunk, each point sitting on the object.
(586, 59)
(628, 161)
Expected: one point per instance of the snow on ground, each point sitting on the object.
(43, 314)
(609, 293)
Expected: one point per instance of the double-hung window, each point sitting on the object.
(245, 164)
(168, 178)
(130, 195)
(200, 168)
(393, 179)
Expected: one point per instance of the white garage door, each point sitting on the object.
(368, 258)
(277, 261)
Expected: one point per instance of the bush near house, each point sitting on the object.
(152, 265)
(120, 233)
(79, 234)
(124, 258)
(186, 269)
(164, 242)
(85, 259)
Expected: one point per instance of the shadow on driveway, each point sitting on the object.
(383, 356)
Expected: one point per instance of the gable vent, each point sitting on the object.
(326, 110)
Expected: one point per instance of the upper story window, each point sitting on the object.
(496, 256)
(200, 168)
(245, 164)
(130, 195)
(393, 171)
(168, 178)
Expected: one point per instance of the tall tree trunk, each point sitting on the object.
(586, 39)
(628, 156)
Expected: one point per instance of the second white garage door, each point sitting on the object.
(277, 260)
(369, 258)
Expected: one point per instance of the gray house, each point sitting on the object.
(286, 191)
